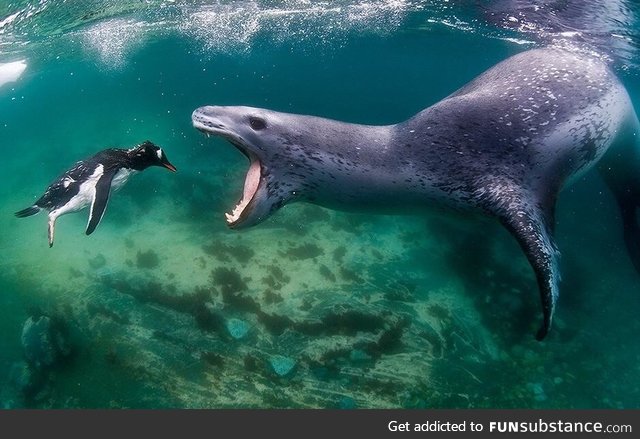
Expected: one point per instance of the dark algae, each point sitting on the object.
(303, 251)
(147, 260)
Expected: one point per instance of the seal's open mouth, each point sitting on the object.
(254, 175)
(251, 184)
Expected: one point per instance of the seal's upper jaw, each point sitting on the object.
(253, 207)
(212, 121)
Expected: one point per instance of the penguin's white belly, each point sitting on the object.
(84, 197)
(121, 178)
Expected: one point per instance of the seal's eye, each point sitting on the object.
(257, 123)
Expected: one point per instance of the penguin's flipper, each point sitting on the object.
(530, 221)
(100, 199)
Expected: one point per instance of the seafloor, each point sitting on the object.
(332, 313)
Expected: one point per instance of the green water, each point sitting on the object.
(340, 310)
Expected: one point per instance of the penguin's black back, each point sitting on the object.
(67, 185)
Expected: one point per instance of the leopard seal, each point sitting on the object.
(504, 145)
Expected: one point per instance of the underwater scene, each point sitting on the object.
(166, 306)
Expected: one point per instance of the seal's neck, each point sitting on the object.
(364, 143)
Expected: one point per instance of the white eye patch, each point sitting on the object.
(159, 153)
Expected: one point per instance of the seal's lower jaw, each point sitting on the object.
(251, 185)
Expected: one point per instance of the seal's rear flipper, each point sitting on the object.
(529, 222)
(537, 243)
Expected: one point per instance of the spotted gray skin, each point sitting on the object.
(504, 145)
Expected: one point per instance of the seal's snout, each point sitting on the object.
(206, 119)
(198, 116)
(208, 111)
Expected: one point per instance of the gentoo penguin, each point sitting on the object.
(90, 181)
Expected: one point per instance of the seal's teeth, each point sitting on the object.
(251, 184)
(235, 214)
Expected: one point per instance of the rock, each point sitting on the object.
(539, 394)
(282, 366)
(44, 342)
(237, 328)
(27, 380)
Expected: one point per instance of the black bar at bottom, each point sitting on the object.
(325, 424)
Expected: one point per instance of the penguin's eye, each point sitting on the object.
(257, 123)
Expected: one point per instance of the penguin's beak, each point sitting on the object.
(169, 166)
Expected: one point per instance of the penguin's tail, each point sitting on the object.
(32, 210)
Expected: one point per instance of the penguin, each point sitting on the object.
(90, 181)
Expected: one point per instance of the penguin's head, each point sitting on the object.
(148, 154)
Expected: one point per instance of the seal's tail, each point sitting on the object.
(32, 210)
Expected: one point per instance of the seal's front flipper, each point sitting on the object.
(531, 224)
(629, 212)
(620, 168)
(100, 199)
